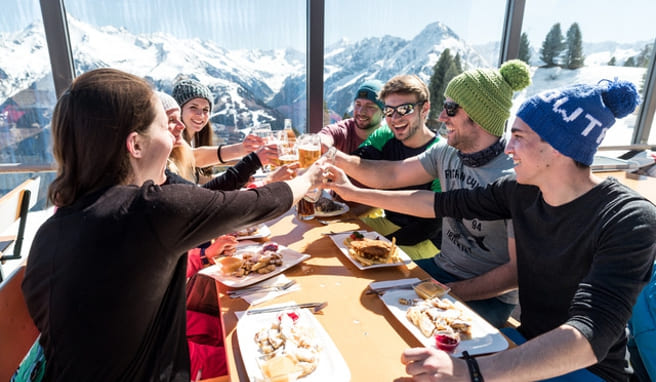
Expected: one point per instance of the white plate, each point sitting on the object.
(262, 231)
(344, 208)
(331, 367)
(485, 337)
(338, 239)
(289, 259)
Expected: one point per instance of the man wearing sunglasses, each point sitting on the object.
(585, 244)
(405, 135)
(346, 135)
(474, 252)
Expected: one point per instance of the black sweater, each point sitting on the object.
(105, 277)
(581, 264)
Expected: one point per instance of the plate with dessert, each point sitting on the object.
(326, 207)
(433, 319)
(289, 343)
(252, 263)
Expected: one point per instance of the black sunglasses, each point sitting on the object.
(401, 110)
(451, 108)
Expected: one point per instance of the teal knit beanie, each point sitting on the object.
(486, 94)
(188, 89)
(369, 90)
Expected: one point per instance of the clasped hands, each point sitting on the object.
(323, 174)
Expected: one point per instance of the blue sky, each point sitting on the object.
(280, 23)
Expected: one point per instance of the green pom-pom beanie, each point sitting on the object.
(486, 94)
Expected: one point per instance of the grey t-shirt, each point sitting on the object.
(470, 247)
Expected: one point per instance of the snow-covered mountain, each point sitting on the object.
(250, 85)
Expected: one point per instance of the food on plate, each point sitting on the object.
(263, 260)
(447, 340)
(372, 251)
(439, 314)
(430, 289)
(249, 231)
(327, 205)
(229, 264)
(279, 368)
(287, 340)
(353, 237)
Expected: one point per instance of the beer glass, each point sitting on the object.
(309, 149)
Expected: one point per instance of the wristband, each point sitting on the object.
(474, 371)
(218, 154)
(203, 259)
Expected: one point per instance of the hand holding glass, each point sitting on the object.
(309, 149)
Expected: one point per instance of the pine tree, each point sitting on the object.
(642, 60)
(458, 62)
(574, 57)
(437, 83)
(552, 46)
(451, 72)
(630, 62)
(524, 48)
(612, 61)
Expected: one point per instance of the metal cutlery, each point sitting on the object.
(257, 289)
(343, 232)
(315, 306)
(382, 290)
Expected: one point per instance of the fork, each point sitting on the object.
(267, 288)
(316, 307)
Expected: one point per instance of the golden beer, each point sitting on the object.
(287, 159)
(308, 155)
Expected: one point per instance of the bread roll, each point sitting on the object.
(230, 264)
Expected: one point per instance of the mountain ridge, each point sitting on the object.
(250, 86)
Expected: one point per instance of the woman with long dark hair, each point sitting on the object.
(105, 278)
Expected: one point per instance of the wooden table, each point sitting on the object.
(368, 336)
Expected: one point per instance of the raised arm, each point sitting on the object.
(409, 202)
(213, 155)
(383, 174)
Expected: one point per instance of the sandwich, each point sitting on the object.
(370, 251)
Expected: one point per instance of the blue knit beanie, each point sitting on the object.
(188, 89)
(369, 90)
(574, 120)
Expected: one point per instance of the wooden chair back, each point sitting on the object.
(14, 207)
(17, 330)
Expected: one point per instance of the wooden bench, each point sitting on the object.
(13, 207)
(17, 330)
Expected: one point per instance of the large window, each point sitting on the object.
(382, 38)
(580, 41)
(250, 53)
(27, 96)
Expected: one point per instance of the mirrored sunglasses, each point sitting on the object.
(451, 108)
(401, 110)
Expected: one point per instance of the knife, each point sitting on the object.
(317, 306)
(331, 233)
